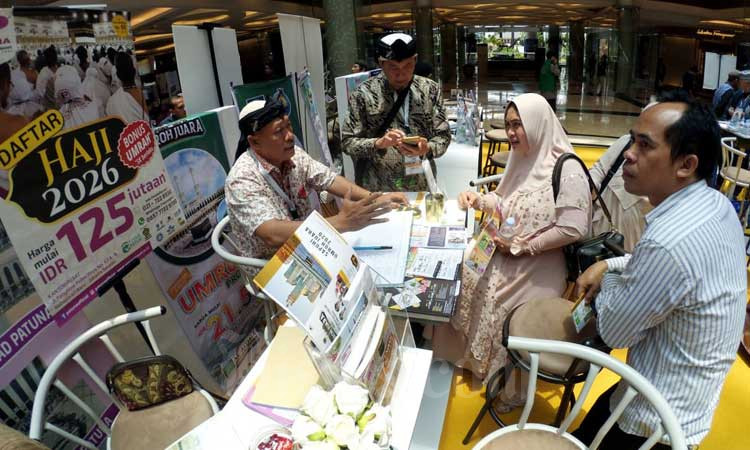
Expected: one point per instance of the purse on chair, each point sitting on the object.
(582, 254)
(149, 381)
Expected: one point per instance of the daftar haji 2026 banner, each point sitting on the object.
(82, 203)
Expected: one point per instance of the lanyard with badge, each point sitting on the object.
(275, 186)
(412, 164)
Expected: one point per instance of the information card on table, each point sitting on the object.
(82, 203)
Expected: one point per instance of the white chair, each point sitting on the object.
(535, 435)
(731, 166)
(154, 427)
(218, 235)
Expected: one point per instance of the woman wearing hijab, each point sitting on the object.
(75, 108)
(21, 98)
(532, 265)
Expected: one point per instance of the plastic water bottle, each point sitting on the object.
(736, 118)
(508, 229)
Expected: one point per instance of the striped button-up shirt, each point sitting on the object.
(678, 303)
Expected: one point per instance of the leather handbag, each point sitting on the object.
(582, 254)
(148, 381)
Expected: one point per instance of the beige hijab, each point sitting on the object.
(526, 187)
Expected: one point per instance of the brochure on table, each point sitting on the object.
(318, 279)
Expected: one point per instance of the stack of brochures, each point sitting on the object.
(323, 285)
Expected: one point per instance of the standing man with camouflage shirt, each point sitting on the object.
(382, 161)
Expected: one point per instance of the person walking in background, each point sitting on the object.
(548, 79)
(601, 74)
(590, 73)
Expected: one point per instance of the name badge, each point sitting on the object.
(412, 165)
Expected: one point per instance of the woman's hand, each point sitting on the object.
(468, 199)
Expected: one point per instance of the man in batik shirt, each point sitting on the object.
(383, 162)
(269, 189)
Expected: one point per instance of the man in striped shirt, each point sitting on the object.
(678, 301)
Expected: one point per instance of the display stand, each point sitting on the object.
(118, 284)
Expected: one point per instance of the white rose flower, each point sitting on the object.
(378, 423)
(320, 445)
(366, 441)
(341, 429)
(319, 405)
(350, 399)
(304, 430)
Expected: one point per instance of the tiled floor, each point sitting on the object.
(584, 114)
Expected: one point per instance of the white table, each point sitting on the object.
(724, 125)
(236, 425)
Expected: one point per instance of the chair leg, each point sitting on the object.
(474, 425)
(491, 391)
(565, 402)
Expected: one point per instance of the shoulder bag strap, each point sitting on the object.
(557, 172)
(362, 163)
(615, 167)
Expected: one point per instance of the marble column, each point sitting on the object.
(340, 35)
(575, 57)
(626, 31)
(422, 13)
(461, 38)
(448, 53)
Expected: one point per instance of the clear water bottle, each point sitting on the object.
(736, 118)
(508, 229)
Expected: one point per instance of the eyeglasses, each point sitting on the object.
(513, 125)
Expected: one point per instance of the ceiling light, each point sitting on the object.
(526, 7)
(219, 18)
(147, 15)
(723, 22)
(251, 14)
(151, 37)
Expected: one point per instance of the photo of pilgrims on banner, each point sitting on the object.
(206, 294)
(83, 191)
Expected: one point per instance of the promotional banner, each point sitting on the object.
(7, 35)
(206, 294)
(83, 203)
(26, 348)
(262, 90)
(314, 122)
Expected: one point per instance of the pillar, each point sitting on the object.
(553, 39)
(448, 53)
(461, 40)
(626, 30)
(575, 57)
(482, 51)
(422, 13)
(341, 35)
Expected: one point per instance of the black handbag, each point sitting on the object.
(582, 254)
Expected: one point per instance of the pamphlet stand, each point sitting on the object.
(382, 371)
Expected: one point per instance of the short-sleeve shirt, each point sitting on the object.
(251, 201)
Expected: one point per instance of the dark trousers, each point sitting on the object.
(616, 439)
(553, 103)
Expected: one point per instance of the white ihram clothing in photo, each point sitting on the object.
(21, 98)
(124, 105)
(75, 108)
(95, 87)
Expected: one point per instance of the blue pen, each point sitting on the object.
(374, 247)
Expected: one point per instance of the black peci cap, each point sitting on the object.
(396, 47)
